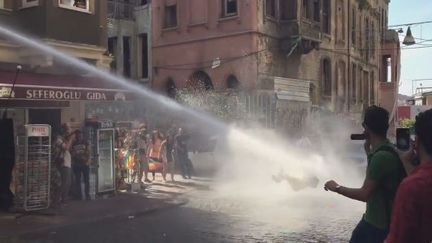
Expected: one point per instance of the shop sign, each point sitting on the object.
(31, 93)
(46, 94)
(106, 124)
(5, 92)
(37, 131)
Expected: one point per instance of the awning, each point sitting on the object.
(33, 86)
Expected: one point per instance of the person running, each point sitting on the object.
(156, 152)
(383, 176)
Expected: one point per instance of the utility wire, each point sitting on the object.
(411, 24)
(232, 59)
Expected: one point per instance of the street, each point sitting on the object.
(213, 217)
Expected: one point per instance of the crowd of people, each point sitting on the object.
(70, 163)
(138, 154)
(153, 153)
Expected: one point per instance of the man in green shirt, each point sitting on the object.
(383, 176)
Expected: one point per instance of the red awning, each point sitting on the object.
(32, 86)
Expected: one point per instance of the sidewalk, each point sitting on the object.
(129, 205)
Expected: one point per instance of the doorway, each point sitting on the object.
(51, 117)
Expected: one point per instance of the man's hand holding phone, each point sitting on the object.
(405, 148)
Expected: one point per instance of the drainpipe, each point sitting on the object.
(349, 55)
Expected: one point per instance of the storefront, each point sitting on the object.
(56, 99)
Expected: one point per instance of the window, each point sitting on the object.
(360, 83)
(353, 28)
(29, 3)
(341, 30)
(372, 88)
(229, 8)
(367, 37)
(382, 24)
(326, 24)
(387, 69)
(201, 81)
(366, 92)
(270, 8)
(305, 9)
(326, 78)
(288, 9)
(354, 83)
(144, 56)
(373, 38)
(232, 82)
(171, 88)
(126, 56)
(316, 10)
(170, 16)
(360, 36)
(2, 5)
(112, 49)
(281, 9)
(79, 5)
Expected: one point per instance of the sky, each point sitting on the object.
(416, 63)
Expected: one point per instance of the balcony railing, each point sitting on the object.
(307, 31)
(310, 30)
(118, 9)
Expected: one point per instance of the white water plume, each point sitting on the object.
(251, 167)
(130, 85)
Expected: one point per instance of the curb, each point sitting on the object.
(134, 214)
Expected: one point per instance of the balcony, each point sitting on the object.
(118, 9)
(308, 31)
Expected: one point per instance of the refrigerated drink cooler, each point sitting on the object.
(100, 135)
(33, 166)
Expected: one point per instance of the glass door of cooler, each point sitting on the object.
(105, 149)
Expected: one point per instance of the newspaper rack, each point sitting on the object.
(33, 166)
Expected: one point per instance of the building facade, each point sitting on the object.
(129, 38)
(47, 90)
(389, 72)
(332, 45)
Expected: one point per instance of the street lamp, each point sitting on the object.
(409, 38)
(414, 81)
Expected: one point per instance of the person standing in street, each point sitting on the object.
(142, 148)
(63, 161)
(383, 176)
(81, 164)
(412, 212)
(156, 152)
(170, 152)
(181, 153)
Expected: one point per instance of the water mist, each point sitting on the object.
(248, 159)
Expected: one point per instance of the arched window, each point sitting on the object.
(326, 77)
(171, 88)
(341, 79)
(232, 82)
(201, 80)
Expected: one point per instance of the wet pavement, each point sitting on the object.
(213, 215)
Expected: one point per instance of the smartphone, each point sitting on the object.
(403, 137)
(358, 136)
